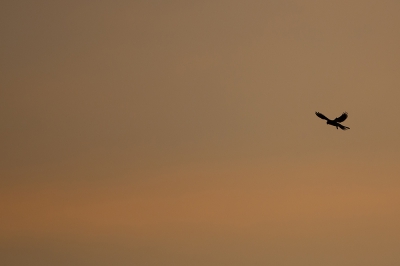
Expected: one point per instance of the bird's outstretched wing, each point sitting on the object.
(321, 116)
(341, 118)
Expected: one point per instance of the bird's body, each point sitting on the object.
(336, 122)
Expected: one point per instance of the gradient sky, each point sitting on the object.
(183, 133)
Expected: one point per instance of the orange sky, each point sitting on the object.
(141, 133)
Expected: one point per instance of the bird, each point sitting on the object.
(335, 122)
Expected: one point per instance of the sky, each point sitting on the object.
(183, 133)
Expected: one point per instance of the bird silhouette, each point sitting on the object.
(335, 122)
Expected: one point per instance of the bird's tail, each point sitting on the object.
(343, 127)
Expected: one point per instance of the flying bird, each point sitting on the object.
(335, 122)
